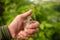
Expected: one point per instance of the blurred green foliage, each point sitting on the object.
(47, 14)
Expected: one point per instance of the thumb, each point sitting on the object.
(26, 14)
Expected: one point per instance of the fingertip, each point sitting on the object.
(26, 14)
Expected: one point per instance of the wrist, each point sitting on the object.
(11, 32)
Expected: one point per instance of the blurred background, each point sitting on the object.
(47, 12)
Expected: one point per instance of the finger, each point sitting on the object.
(25, 15)
(31, 31)
(33, 25)
(22, 35)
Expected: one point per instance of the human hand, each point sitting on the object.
(17, 29)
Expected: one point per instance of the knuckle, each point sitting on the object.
(21, 15)
(37, 23)
(18, 16)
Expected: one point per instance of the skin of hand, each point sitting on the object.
(17, 29)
